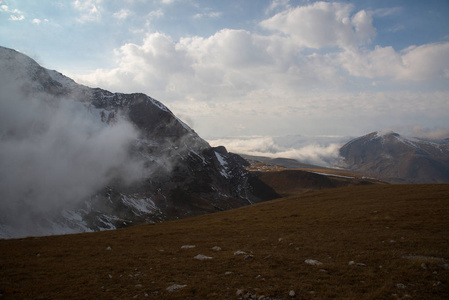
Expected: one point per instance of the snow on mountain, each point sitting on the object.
(77, 159)
(396, 158)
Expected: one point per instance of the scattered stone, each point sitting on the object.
(424, 266)
(188, 246)
(138, 285)
(445, 266)
(248, 257)
(313, 262)
(216, 248)
(38, 255)
(110, 276)
(239, 252)
(229, 273)
(267, 257)
(175, 287)
(392, 241)
(401, 286)
(202, 257)
(239, 293)
(280, 239)
(351, 263)
(360, 265)
(437, 283)
(292, 293)
(323, 270)
(109, 248)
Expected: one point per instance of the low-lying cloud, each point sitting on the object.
(322, 151)
(55, 154)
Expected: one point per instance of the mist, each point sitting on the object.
(56, 153)
(317, 150)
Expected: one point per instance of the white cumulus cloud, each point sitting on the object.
(324, 24)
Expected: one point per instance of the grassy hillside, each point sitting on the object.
(288, 182)
(374, 242)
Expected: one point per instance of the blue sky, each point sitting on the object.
(253, 67)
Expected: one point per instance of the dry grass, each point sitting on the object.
(391, 229)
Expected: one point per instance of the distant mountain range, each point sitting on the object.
(387, 156)
(398, 159)
(177, 174)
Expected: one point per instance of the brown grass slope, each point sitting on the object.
(288, 182)
(397, 237)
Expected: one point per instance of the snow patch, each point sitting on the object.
(224, 170)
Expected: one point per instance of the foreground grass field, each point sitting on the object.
(364, 242)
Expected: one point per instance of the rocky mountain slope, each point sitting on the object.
(78, 159)
(395, 158)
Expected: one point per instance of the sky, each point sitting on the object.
(233, 70)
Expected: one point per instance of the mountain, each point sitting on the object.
(398, 159)
(76, 159)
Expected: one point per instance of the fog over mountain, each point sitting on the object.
(315, 150)
(56, 154)
(78, 159)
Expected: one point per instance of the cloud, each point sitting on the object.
(123, 14)
(324, 24)
(277, 5)
(16, 15)
(89, 10)
(211, 14)
(242, 77)
(384, 12)
(323, 151)
(56, 154)
(156, 14)
(430, 133)
(415, 63)
(150, 66)
(168, 1)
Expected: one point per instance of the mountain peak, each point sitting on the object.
(389, 156)
(85, 159)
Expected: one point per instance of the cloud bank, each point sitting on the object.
(308, 62)
(321, 151)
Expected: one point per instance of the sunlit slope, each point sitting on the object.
(374, 242)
